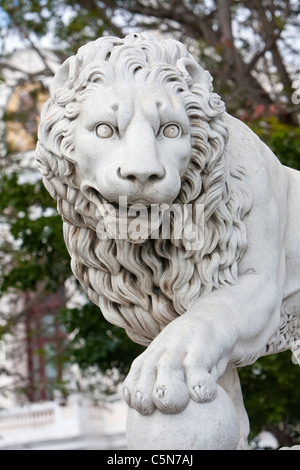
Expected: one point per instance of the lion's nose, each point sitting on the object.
(140, 162)
(141, 174)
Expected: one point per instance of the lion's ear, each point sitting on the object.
(193, 72)
(65, 76)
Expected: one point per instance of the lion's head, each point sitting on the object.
(137, 118)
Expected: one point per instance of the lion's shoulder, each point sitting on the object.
(263, 169)
(245, 144)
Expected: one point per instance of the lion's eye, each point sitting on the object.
(171, 131)
(104, 131)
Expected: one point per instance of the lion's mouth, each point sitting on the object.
(122, 209)
(134, 221)
(125, 203)
(117, 208)
(130, 211)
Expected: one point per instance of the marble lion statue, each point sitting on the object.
(136, 120)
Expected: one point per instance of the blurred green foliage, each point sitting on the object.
(283, 139)
(95, 342)
(37, 250)
(271, 389)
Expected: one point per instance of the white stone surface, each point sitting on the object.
(213, 425)
(136, 121)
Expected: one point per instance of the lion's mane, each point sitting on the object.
(142, 287)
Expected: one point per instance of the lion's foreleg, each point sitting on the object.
(231, 384)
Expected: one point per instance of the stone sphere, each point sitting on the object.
(200, 426)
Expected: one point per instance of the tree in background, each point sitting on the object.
(249, 47)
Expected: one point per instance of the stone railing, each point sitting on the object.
(49, 421)
(30, 416)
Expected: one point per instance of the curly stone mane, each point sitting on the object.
(142, 287)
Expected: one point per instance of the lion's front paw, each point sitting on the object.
(168, 374)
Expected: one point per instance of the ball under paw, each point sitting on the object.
(201, 426)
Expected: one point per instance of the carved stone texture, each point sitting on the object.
(218, 418)
(182, 226)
